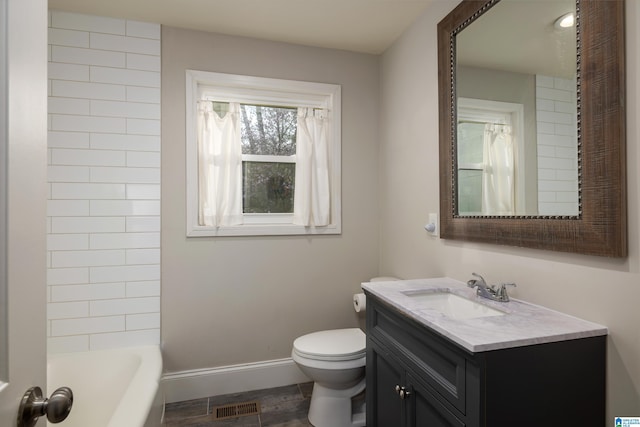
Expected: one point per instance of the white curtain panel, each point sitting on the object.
(498, 196)
(312, 202)
(220, 166)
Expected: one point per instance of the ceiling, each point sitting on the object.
(519, 36)
(368, 26)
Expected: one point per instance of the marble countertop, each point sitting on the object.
(523, 324)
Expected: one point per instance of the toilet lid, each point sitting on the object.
(336, 344)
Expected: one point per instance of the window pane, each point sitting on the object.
(469, 192)
(470, 142)
(268, 130)
(268, 187)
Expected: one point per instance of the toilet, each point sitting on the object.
(335, 360)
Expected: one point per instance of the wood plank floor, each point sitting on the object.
(279, 407)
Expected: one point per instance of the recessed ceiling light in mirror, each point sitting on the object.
(565, 21)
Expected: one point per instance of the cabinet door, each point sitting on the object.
(384, 373)
(425, 410)
(438, 363)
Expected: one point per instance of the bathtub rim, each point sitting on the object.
(143, 389)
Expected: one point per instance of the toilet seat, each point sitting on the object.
(332, 345)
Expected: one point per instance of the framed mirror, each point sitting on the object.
(532, 125)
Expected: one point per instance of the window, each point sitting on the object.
(263, 156)
(490, 160)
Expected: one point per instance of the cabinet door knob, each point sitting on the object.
(404, 393)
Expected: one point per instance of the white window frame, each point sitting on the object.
(260, 90)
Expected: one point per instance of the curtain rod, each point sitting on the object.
(290, 107)
(481, 123)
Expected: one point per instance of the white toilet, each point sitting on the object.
(335, 360)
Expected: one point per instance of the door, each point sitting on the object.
(23, 194)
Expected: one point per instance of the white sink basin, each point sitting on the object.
(451, 305)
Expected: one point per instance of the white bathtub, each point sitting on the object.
(111, 388)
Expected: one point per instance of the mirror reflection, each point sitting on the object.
(517, 148)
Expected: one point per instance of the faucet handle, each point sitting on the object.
(502, 291)
(479, 276)
(475, 282)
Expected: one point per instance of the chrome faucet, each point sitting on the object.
(492, 292)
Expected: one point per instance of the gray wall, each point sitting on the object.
(602, 290)
(233, 300)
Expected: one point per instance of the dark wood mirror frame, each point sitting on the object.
(600, 228)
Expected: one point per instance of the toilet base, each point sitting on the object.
(334, 408)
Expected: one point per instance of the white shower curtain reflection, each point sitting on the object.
(498, 196)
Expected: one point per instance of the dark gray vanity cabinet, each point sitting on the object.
(416, 377)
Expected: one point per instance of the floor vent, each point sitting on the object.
(234, 410)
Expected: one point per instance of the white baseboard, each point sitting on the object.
(199, 383)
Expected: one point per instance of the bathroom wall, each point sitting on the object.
(103, 212)
(236, 300)
(602, 290)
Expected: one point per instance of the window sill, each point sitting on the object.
(262, 230)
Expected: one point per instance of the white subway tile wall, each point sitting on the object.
(557, 146)
(104, 173)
